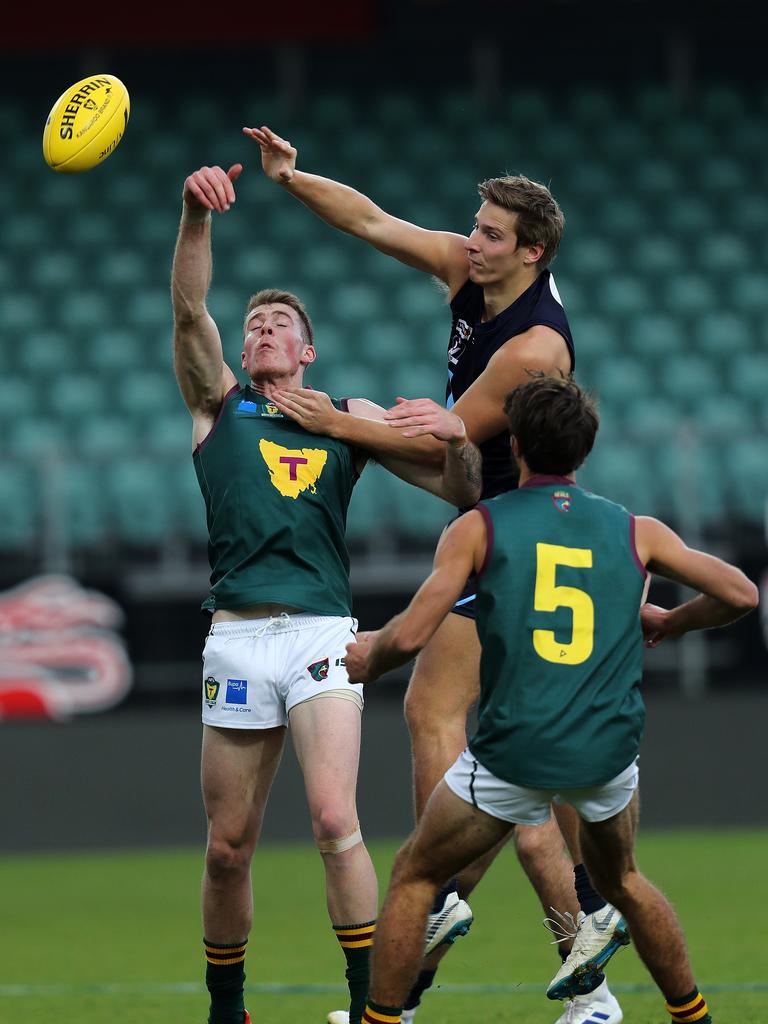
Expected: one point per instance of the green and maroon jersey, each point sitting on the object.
(558, 618)
(276, 500)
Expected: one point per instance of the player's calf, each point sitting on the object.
(355, 938)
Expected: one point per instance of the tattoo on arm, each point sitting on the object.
(472, 461)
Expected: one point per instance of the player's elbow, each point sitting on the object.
(186, 315)
(467, 494)
(371, 224)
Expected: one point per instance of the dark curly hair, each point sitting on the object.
(555, 423)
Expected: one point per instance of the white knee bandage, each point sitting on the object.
(342, 843)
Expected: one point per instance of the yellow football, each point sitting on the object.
(86, 123)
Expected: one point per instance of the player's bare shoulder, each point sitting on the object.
(539, 348)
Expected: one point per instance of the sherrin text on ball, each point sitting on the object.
(86, 124)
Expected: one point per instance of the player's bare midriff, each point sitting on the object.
(253, 611)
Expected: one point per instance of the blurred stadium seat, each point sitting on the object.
(688, 140)
(21, 505)
(77, 395)
(142, 500)
(18, 399)
(688, 379)
(653, 336)
(746, 471)
(621, 378)
(724, 417)
(596, 337)
(88, 520)
(721, 334)
(109, 435)
(620, 472)
(724, 252)
(656, 256)
(652, 416)
(370, 512)
(689, 293)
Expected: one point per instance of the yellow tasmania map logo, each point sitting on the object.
(293, 470)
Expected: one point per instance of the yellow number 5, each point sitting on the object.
(549, 596)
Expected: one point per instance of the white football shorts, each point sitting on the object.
(470, 781)
(255, 671)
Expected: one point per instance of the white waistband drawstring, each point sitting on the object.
(274, 620)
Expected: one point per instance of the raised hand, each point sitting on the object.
(211, 188)
(278, 157)
(419, 416)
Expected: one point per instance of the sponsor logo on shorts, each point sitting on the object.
(237, 691)
(319, 670)
(212, 688)
(562, 500)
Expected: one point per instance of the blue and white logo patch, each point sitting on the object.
(255, 409)
(237, 691)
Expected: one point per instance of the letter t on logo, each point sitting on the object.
(293, 461)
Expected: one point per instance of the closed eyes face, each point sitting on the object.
(270, 321)
(273, 339)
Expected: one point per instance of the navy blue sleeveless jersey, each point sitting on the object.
(473, 343)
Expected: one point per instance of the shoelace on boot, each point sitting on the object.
(562, 926)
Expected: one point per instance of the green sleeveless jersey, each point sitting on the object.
(558, 604)
(276, 501)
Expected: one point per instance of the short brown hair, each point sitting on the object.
(554, 421)
(539, 218)
(269, 296)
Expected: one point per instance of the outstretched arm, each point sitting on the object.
(441, 253)
(201, 372)
(441, 461)
(725, 592)
(461, 550)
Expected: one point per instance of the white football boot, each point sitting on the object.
(598, 1007)
(447, 924)
(596, 938)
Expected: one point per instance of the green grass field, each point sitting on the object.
(115, 938)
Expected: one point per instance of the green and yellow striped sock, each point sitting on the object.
(356, 941)
(375, 1013)
(692, 1007)
(225, 979)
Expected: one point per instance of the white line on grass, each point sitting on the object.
(279, 988)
